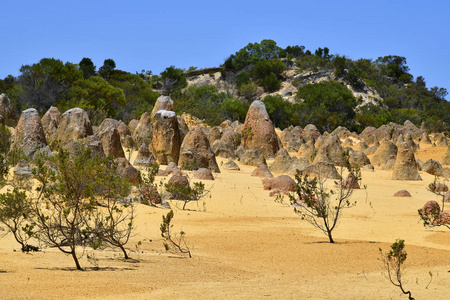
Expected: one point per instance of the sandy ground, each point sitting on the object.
(246, 246)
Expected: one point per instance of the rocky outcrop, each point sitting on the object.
(196, 152)
(262, 171)
(432, 167)
(74, 124)
(110, 137)
(144, 131)
(204, 174)
(23, 170)
(283, 183)
(251, 157)
(282, 162)
(6, 109)
(144, 157)
(50, 123)
(92, 142)
(126, 139)
(126, 170)
(386, 155)
(162, 103)
(230, 165)
(322, 170)
(405, 167)
(29, 134)
(259, 132)
(402, 193)
(358, 158)
(166, 137)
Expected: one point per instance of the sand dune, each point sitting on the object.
(246, 246)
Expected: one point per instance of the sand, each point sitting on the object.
(247, 246)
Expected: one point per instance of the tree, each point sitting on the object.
(173, 79)
(326, 104)
(87, 67)
(115, 221)
(66, 211)
(46, 82)
(315, 203)
(108, 66)
(186, 193)
(172, 242)
(393, 263)
(15, 212)
(96, 94)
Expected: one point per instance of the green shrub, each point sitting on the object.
(271, 83)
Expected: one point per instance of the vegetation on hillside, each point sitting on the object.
(255, 71)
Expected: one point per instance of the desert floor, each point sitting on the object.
(247, 246)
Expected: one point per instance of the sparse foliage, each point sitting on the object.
(171, 242)
(320, 207)
(393, 264)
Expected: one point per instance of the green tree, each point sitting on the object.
(271, 83)
(66, 211)
(327, 104)
(95, 94)
(264, 68)
(173, 80)
(109, 65)
(46, 82)
(87, 67)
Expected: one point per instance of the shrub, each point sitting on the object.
(271, 83)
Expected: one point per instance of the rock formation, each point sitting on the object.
(259, 132)
(166, 137)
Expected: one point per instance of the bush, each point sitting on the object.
(265, 68)
(281, 112)
(248, 90)
(327, 104)
(271, 83)
(242, 78)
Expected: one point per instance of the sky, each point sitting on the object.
(154, 35)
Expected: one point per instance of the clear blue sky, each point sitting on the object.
(153, 35)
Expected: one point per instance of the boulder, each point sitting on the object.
(126, 170)
(230, 165)
(110, 138)
(283, 183)
(282, 162)
(204, 174)
(370, 150)
(50, 123)
(166, 137)
(402, 193)
(144, 157)
(126, 139)
(132, 125)
(179, 180)
(386, 153)
(310, 132)
(361, 146)
(215, 133)
(322, 170)
(262, 171)
(23, 171)
(446, 159)
(333, 147)
(144, 131)
(74, 124)
(307, 152)
(162, 103)
(196, 152)
(358, 158)
(425, 139)
(92, 142)
(239, 152)
(259, 132)
(405, 167)
(250, 157)
(6, 109)
(369, 168)
(299, 164)
(351, 182)
(432, 167)
(29, 134)
(172, 168)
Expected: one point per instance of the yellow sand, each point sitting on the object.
(246, 246)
